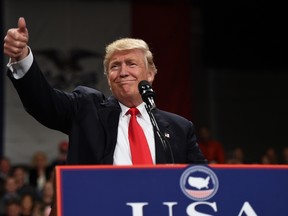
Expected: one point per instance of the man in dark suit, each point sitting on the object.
(98, 126)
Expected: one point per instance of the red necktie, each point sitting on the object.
(138, 144)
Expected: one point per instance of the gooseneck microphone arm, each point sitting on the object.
(148, 96)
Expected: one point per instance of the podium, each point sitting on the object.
(172, 190)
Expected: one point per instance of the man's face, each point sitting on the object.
(125, 70)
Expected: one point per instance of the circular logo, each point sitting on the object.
(199, 183)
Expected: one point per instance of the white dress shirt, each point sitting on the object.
(122, 154)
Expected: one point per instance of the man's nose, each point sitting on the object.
(123, 71)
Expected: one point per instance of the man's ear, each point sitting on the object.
(151, 76)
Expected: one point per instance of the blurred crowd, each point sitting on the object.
(216, 153)
(28, 189)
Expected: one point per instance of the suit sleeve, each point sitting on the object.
(49, 106)
(194, 154)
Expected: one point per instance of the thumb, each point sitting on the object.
(22, 25)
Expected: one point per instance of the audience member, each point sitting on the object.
(284, 155)
(47, 197)
(62, 154)
(9, 194)
(265, 159)
(27, 204)
(39, 172)
(211, 148)
(237, 156)
(5, 168)
(270, 156)
(13, 208)
(23, 186)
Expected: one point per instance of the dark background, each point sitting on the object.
(240, 75)
(2, 85)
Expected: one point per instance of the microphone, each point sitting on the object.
(147, 94)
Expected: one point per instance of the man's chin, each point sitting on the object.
(125, 97)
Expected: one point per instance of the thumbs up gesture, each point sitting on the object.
(16, 40)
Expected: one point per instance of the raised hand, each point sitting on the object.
(16, 40)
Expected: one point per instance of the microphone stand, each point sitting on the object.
(165, 143)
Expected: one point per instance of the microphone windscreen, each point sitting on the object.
(143, 85)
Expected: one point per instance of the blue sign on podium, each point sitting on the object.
(172, 190)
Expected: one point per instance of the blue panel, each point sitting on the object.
(202, 189)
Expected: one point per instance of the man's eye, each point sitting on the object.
(113, 67)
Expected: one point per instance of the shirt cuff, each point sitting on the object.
(20, 68)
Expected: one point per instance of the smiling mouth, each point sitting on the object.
(125, 81)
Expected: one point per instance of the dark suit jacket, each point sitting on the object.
(33, 176)
(91, 121)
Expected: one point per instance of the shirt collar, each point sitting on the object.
(140, 107)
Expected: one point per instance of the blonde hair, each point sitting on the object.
(129, 44)
(39, 155)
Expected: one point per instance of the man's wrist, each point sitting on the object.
(20, 68)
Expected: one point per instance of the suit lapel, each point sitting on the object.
(161, 153)
(109, 117)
